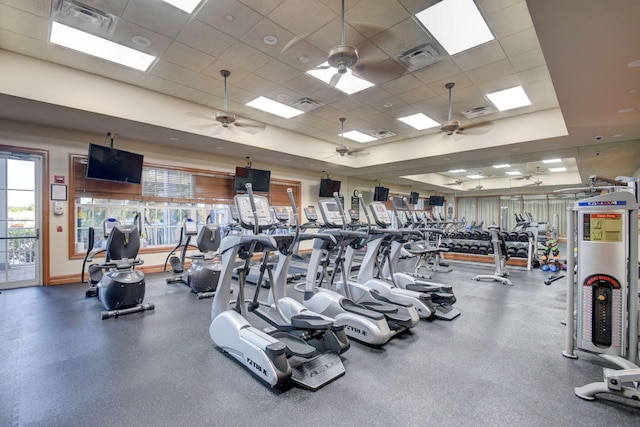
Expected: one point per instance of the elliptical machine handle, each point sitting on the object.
(366, 213)
(336, 196)
(256, 225)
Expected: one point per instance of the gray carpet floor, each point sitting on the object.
(497, 364)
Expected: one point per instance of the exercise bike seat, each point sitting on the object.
(311, 322)
(352, 307)
(294, 346)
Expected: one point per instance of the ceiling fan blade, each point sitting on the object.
(218, 129)
(294, 41)
(249, 126)
(477, 128)
(335, 79)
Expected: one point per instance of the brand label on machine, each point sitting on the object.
(604, 203)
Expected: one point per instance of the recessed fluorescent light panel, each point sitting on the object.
(358, 136)
(186, 5)
(513, 173)
(474, 176)
(502, 166)
(552, 161)
(562, 169)
(419, 121)
(348, 83)
(96, 46)
(273, 107)
(456, 24)
(509, 99)
(457, 170)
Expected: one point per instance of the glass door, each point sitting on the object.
(20, 244)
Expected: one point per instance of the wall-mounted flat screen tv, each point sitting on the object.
(413, 197)
(380, 194)
(328, 187)
(260, 179)
(111, 164)
(436, 200)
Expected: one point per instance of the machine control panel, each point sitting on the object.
(331, 213)
(190, 227)
(245, 212)
(380, 214)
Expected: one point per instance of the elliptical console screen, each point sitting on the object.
(380, 214)
(245, 213)
(330, 213)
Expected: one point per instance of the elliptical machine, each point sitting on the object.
(117, 284)
(204, 272)
(275, 357)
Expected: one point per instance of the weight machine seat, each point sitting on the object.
(352, 307)
(310, 322)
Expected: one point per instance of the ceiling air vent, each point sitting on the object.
(380, 134)
(419, 57)
(478, 112)
(307, 104)
(83, 17)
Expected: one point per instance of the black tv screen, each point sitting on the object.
(436, 200)
(380, 194)
(111, 164)
(328, 187)
(413, 197)
(260, 180)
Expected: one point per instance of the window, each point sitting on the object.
(166, 197)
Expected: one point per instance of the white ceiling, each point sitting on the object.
(570, 58)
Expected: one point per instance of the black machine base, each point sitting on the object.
(108, 314)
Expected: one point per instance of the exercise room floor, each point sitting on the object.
(498, 364)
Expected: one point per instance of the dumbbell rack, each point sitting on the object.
(475, 245)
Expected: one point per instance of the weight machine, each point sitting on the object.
(606, 307)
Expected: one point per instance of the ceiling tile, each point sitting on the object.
(306, 84)
(527, 60)
(198, 35)
(346, 104)
(157, 16)
(265, 27)
(126, 30)
(491, 6)
(23, 44)
(207, 84)
(118, 72)
(36, 7)
(437, 71)
(479, 56)
(277, 71)
(256, 84)
(24, 23)
(331, 35)
(520, 42)
(187, 57)
(242, 55)
(490, 71)
(510, 20)
(534, 75)
(263, 7)
(401, 84)
(369, 21)
(217, 13)
(213, 71)
(302, 55)
(158, 84)
(194, 95)
(172, 72)
(400, 38)
(239, 95)
(310, 16)
(418, 94)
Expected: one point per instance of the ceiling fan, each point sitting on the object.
(342, 149)
(451, 126)
(229, 120)
(455, 182)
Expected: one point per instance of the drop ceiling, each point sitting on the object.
(572, 61)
